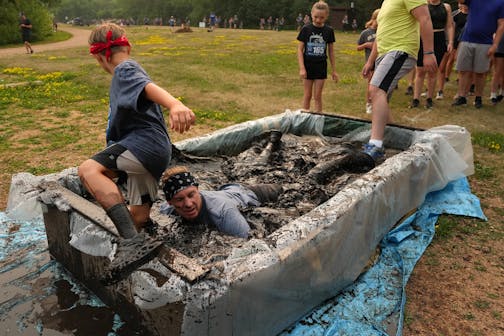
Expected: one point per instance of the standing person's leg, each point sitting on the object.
(389, 69)
(307, 93)
(465, 58)
(481, 68)
(317, 96)
(441, 75)
(411, 82)
(497, 79)
(431, 87)
(369, 103)
(418, 87)
(452, 58)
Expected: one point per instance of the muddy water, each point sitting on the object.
(37, 297)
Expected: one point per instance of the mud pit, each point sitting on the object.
(310, 169)
(303, 249)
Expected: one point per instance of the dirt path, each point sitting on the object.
(79, 38)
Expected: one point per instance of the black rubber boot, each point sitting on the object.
(266, 193)
(121, 217)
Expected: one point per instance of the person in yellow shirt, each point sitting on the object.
(401, 23)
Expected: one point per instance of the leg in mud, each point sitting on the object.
(266, 193)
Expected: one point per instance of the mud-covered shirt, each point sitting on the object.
(136, 122)
(315, 41)
(221, 209)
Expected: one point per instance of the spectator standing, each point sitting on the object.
(299, 22)
(393, 56)
(354, 25)
(344, 22)
(443, 29)
(497, 87)
(459, 19)
(365, 42)
(26, 32)
(478, 46)
(316, 41)
(306, 20)
(281, 23)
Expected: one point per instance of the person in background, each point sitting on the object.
(478, 46)
(365, 42)
(218, 209)
(393, 56)
(443, 28)
(459, 19)
(316, 42)
(26, 31)
(497, 85)
(138, 146)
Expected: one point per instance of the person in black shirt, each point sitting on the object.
(26, 28)
(316, 40)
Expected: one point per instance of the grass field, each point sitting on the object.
(230, 76)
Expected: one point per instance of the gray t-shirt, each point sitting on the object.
(136, 122)
(367, 35)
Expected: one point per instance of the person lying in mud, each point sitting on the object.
(220, 208)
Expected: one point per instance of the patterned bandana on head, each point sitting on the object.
(177, 183)
(98, 47)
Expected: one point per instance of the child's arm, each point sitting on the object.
(300, 57)
(334, 74)
(181, 117)
(365, 45)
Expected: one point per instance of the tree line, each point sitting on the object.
(249, 12)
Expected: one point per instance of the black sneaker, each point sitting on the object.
(414, 103)
(478, 103)
(428, 103)
(409, 91)
(460, 101)
(499, 98)
(494, 100)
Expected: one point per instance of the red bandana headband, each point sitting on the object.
(98, 47)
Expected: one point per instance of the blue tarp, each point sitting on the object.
(372, 305)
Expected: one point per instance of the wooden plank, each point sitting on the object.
(181, 264)
(89, 210)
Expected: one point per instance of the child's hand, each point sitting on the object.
(181, 118)
(302, 73)
(335, 76)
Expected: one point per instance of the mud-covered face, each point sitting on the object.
(187, 202)
(319, 17)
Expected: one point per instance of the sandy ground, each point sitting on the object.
(79, 38)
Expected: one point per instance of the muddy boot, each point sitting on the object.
(121, 217)
(130, 254)
(266, 193)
